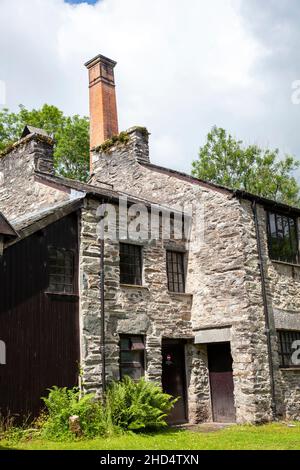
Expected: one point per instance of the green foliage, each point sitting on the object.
(62, 403)
(122, 138)
(71, 155)
(138, 405)
(226, 161)
(272, 436)
(71, 134)
(128, 406)
(14, 431)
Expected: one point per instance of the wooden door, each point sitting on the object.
(173, 378)
(221, 382)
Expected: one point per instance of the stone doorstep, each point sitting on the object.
(203, 427)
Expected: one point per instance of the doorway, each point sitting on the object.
(221, 382)
(174, 378)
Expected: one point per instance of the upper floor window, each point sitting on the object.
(289, 344)
(61, 270)
(130, 264)
(175, 271)
(132, 356)
(283, 240)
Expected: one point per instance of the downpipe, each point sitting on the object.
(102, 317)
(266, 309)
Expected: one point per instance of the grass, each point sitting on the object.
(276, 436)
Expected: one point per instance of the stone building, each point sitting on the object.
(213, 315)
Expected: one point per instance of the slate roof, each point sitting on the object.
(33, 130)
(29, 223)
(106, 192)
(39, 219)
(239, 193)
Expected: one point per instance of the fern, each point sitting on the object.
(127, 406)
(138, 405)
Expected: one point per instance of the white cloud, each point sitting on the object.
(182, 66)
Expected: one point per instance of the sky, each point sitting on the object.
(182, 67)
(92, 2)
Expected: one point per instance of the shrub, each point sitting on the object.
(138, 405)
(128, 406)
(62, 403)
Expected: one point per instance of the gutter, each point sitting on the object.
(266, 309)
(275, 205)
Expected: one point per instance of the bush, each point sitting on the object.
(138, 405)
(128, 406)
(62, 403)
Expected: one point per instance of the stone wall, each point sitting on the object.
(89, 288)
(20, 193)
(223, 275)
(149, 310)
(223, 281)
(283, 293)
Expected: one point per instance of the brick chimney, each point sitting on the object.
(103, 105)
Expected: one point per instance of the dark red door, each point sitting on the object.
(173, 378)
(221, 382)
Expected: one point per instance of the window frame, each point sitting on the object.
(73, 290)
(138, 278)
(134, 364)
(172, 283)
(295, 259)
(283, 353)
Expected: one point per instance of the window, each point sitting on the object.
(61, 270)
(283, 240)
(287, 347)
(175, 271)
(130, 264)
(132, 356)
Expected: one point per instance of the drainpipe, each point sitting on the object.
(266, 309)
(102, 315)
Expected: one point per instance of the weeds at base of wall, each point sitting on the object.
(128, 407)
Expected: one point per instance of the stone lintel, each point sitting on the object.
(286, 320)
(214, 335)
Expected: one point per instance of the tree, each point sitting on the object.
(71, 135)
(226, 161)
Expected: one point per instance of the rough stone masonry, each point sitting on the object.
(223, 279)
(234, 292)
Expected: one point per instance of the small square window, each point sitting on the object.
(132, 356)
(61, 270)
(130, 264)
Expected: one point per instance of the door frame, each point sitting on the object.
(210, 388)
(182, 343)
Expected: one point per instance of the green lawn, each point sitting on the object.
(271, 436)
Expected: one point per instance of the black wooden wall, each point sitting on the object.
(40, 330)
